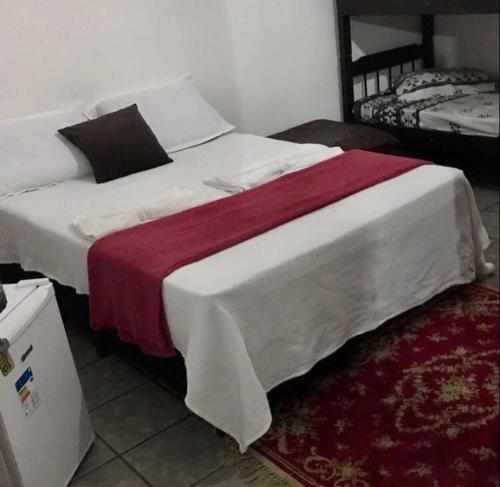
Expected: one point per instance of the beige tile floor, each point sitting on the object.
(146, 436)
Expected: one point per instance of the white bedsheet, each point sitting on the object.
(266, 310)
(175, 200)
(36, 228)
(473, 114)
(476, 114)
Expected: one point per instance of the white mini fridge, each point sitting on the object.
(45, 429)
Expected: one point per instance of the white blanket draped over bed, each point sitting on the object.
(268, 309)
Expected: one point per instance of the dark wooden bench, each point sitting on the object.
(345, 135)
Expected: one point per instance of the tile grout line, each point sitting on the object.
(168, 389)
(80, 477)
(206, 476)
(489, 208)
(158, 433)
(139, 368)
(89, 364)
(139, 474)
(105, 403)
(121, 455)
(97, 360)
(154, 379)
(148, 378)
(117, 456)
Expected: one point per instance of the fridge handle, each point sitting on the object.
(4, 345)
(43, 281)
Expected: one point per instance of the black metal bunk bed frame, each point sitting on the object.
(443, 143)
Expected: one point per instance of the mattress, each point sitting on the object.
(268, 309)
(476, 114)
(36, 226)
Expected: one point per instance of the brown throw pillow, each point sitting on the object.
(118, 144)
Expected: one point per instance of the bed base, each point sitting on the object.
(74, 310)
(74, 307)
(448, 148)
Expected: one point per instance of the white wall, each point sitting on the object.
(285, 60)
(53, 52)
(468, 41)
(460, 40)
(265, 64)
(375, 34)
(379, 33)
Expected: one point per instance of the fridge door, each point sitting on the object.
(5, 478)
(15, 296)
(41, 402)
(9, 475)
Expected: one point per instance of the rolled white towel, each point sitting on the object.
(171, 202)
(96, 226)
(291, 160)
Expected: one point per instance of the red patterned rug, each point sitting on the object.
(413, 404)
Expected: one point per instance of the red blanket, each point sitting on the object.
(126, 269)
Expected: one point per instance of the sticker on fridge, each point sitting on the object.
(28, 393)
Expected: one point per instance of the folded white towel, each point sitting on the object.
(171, 202)
(97, 226)
(94, 227)
(291, 160)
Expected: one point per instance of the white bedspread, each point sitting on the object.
(467, 114)
(476, 114)
(266, 310)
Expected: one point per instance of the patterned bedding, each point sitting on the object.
(467, 114)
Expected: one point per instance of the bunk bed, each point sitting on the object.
(367, 73)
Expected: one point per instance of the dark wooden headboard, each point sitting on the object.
(380, 63)
(383, 63)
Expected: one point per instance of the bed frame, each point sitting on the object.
(393, 62)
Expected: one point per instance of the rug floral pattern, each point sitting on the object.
(413, 404)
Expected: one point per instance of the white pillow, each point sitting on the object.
(431, 78)
(449, 90)
(476, 89)
(424, 93)
(177, 113)
(33, 154)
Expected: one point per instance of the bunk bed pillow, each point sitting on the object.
(177, 113)
(34, 155)
(448, 91)
(423, 84)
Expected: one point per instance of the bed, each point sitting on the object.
(448, 126)
(266, 310)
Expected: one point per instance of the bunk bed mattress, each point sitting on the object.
(476, 114)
